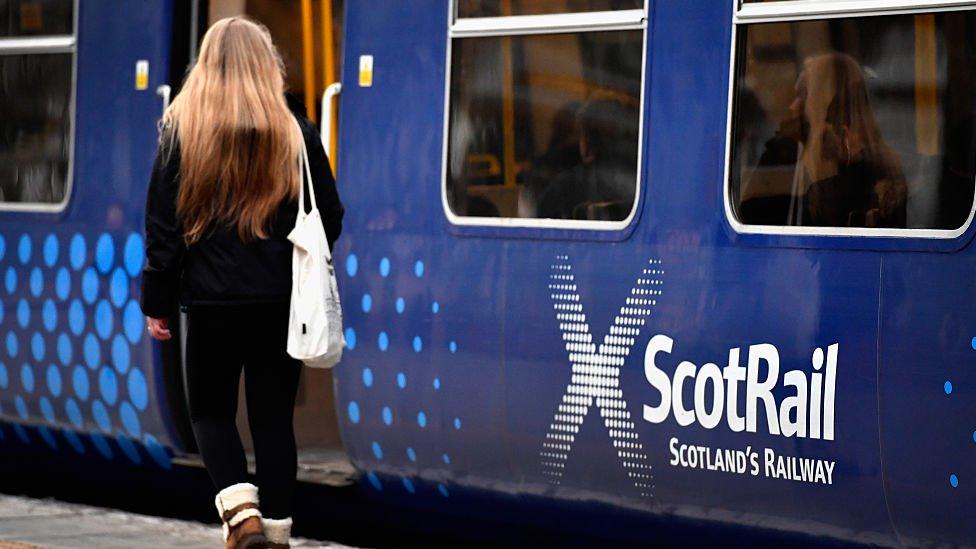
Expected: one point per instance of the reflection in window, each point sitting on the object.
(36, 17)
(495, 8)
(35, 127)
(860, 122)
(545, 126)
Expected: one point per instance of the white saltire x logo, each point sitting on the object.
(596, 373)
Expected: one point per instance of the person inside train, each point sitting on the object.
(222, 199)
(845, 174)
(601, 186)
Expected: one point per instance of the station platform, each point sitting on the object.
(51, 524)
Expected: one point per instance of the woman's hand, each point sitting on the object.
(158, 328)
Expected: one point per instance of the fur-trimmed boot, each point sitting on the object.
(278, 532)
(237, 506)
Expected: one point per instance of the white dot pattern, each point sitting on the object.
(596, 373)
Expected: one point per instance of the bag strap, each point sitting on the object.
(304, 174)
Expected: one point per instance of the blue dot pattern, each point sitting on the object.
(10, 280)
(49, 315)
(130, 419)
(24, 248)
(54, 380)
(79, 382)
(138, 391)
(104, 253)
(27, 378)
(391, 433)
(12, 345)
(76, 369)
(135, 254)
(79, 251)
(50, 250)
(89, 285)
(62, 284)
(23, 313)
(76, 317)
(93, 352)
(36, 282)
(374, 480)
(120, 354)
(119, 287)
(108, 386)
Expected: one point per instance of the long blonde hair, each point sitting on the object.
(238, 142)
(843, 128)
(838, 103)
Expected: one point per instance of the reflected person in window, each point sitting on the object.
(845, 174)
(856, 180)
(602, 186)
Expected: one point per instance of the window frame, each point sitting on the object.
(522, 25)
(42, 45)
(789, 11)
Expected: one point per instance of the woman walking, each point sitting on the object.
(222, 200)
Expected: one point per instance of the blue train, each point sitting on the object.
(706, 261)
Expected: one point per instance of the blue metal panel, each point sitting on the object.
(76, 360)
(407, 408)
(928, 408)
(495, 346)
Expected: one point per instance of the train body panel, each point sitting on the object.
(77, 360)
(926, 362)
(720, 290)
(557, 366)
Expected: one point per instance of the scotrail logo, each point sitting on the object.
(595, 375)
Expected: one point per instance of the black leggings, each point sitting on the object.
(220, 340)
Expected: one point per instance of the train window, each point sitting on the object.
(36, 17)
(494, 8)
(864, 123)
(36, 96)
(544, 127)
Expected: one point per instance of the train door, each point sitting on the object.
(305, 33)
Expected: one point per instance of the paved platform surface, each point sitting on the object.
(47, 523)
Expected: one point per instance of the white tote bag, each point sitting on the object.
(315, 322)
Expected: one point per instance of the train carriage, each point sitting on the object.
(707, 262)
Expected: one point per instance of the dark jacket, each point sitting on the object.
(220, 268)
